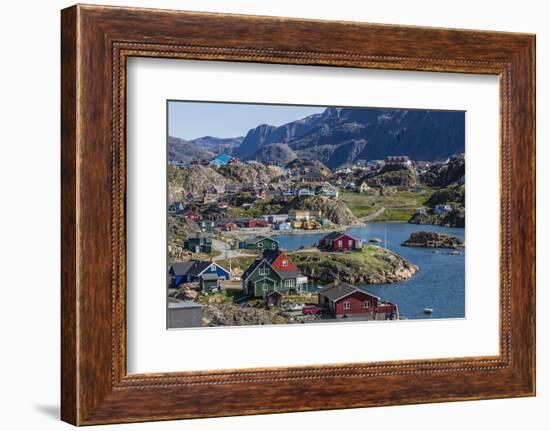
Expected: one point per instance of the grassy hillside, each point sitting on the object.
(399, 206)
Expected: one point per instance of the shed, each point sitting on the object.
(273, 299)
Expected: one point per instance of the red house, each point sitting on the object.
(192, 215)
(255, 223)
(339, 241)
(345, 300)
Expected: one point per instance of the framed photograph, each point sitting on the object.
(266, 215)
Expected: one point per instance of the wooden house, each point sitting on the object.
(192, 215)
(339, 241)
(345, 300)
(260, 243)
(274, 271)
(198, 244)
(193, 270)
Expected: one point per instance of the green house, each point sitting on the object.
(261, 243)
(198, 244)
(274, 271)
(260, 278)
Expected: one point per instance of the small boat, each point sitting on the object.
(428, 310)
(375, 240)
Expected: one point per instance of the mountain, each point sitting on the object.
(218, 145)
(185, 151)
(343, 135)
(280, 154)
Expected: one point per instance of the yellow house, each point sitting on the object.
(300, 215)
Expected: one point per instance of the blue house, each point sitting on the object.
(221, 160)
(284, 226)
(193, 271)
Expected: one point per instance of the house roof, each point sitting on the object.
(333, 235)
(193, 267)
(337, 291)
(257, 239)
(289, 273)
(251, 268)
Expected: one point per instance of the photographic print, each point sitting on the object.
(290, 214)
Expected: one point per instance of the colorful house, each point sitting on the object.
(192, 215)
(283, 226)
(198, 244)
(193, 271)
(301, 215)
(260, 243)
(221, 160)
(339, 241)
(206, 226)
(176, 206)
(345, 300)
(274, 271)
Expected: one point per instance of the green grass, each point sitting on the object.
(371, 259)
(238, 262)
(399, 206)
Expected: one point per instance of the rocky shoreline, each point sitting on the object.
(429, 239)
(372, 265)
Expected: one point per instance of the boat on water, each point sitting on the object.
(428, 310)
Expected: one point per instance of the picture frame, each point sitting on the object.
(96, 42)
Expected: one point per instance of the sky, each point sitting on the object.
(190, 120)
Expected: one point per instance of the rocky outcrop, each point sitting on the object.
(373, 265)
(250, 173)
(445, 175)
(228, 314)
(397, 176)
(334, 210)
(433, 240)
(456, 217)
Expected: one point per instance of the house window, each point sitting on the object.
(366, 304)
(350, 243)
(264, 271)
(264, 287)
(260, 245)
(289, 283)
(273, 245)
(347, 305)
(285, 262)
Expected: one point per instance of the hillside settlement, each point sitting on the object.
(226, 266)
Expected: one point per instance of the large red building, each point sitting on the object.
(345, 300)
(339, 241)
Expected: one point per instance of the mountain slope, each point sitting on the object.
(185, 151)
(342, 135)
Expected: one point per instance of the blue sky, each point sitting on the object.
(190, 120)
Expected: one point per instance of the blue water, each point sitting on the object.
(439, 284)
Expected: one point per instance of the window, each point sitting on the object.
(264, 287)
(273, 246)
(366, 304)
(347, 305)
(339, 243)
(285, 262)
(260, 245)
(264, 271)
(289, 283)
(350, 243)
